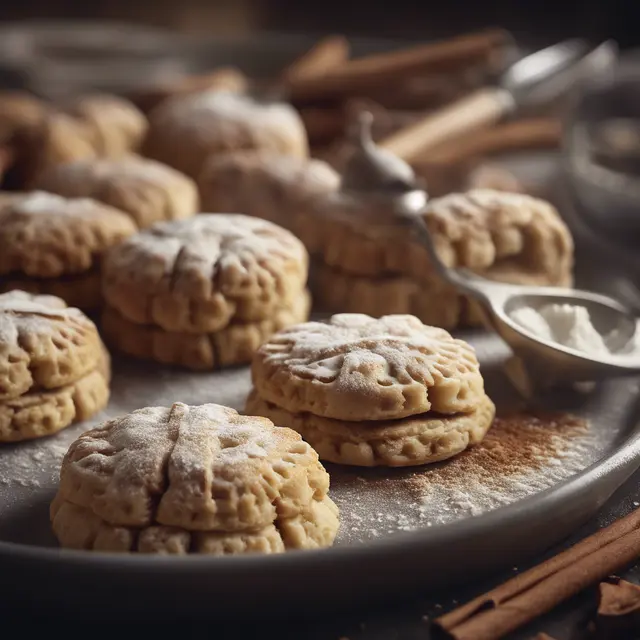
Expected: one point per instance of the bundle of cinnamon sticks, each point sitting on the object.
(401, 87)
(535, 592)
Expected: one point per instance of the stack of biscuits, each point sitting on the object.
(193, 480)
(373, 392)
(54, 245)
(204, 292)
(367, 263)
(54, 369)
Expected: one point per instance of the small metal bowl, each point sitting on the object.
(602, 151)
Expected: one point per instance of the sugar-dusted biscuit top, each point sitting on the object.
(185, 131)
(46, 236)
(147, 190)
(44, 344)
(193, 478)
(355, 367)
(197, 275)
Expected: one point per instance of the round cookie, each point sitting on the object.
(54, 244)
(266, 185)
(186, 130)
(192, 480)
(483, 230)
(232, 345)
(54, 369)
(118, 127)
(148, 191)
(415, 440)
(355, 367)
(198, 275)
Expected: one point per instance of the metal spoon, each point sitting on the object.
(542, 357)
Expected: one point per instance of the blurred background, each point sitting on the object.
(532, 21)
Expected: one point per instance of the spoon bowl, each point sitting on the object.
(545, 360)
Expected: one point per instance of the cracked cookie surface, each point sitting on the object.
(44, 344)
(199, 275)
(355, 367)
(192, 480)
(44, 235)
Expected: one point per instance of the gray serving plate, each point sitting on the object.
(401, 530)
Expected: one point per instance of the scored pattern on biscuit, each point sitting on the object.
(199, 469)
(196, 275)
(357, 368)
(43, 344)
(45, 235)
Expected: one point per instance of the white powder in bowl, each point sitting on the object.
(568, 325)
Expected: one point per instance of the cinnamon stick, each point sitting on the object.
(374, 70)
(537, 591)
(324, 56)
(529, 133)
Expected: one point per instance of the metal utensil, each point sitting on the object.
(542, 357)
(538, 78)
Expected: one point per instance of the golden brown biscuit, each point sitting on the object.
(232, 345)
(47, 237)
(354, 367)
(117, 125)
(44, 344)
(415, 440)
(42, 413)
(266, 185)
(483, 230)
(192, 480)
(186, 130)
(59, 138)
(198, 275)
(148, 191)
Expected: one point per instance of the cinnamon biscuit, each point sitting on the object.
(483, 230)
(266, 185)
(185, 131)
(415, 440)
(355, 367)
(199, 275)
(117, 126)
(148, 191)
(192, 480)
(232, 345)
(47, 237)
(54, 368)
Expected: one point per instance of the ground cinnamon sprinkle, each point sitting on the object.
(515, 444)
(520, 455)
